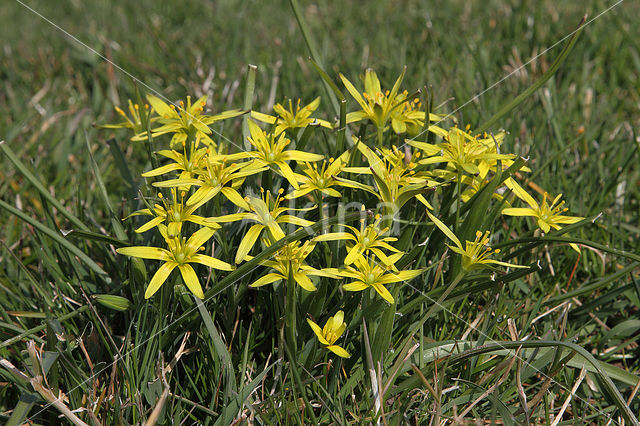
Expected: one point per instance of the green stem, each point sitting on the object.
(380, 133)
(459, 197)
(290, 311)
(308, 39)
(300, 386)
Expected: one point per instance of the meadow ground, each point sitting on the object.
(564, 336)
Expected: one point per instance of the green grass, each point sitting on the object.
(579, 132)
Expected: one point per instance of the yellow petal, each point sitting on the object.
(338, 351)
(211, 262)
(304, 281)
(444, 229)
(521, 211)
(145, 252)
(191, 280)
(287, 173)
(235, 197)
(333, 236)
(160, 106)
(318, 332)
(353, 91)
(355, 286)
(151, 224)
(382, 291)
(267, 279)
(159, 278)
(248, 241)
(200, 237)
(265, 118)
(302, 156)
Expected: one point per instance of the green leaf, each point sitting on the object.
(21, 410)
(58, 238)
(41, 189)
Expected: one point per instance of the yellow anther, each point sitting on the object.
(159, 194)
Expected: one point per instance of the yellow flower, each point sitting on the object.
(475, 253)
(381, 107)
(136, 123)
(271, 152)
(460, 150)
(185, 121)
(366, 239)
(547, 215)
(175, 213)
(290, 119)
(396, 179)
(186, 163)
(331, 332)
(290, 260)
(268, 213)
(216, 176)
(367, 273)
(180, 253)
(323, 178)
(406, 116)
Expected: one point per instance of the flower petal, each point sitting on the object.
(382, 291)
(155, 253)
(304, 281)
(211, 262)
(318, 332)
(267, 279)
(444, 229)
(159, 278)
(248, 241)
(339, 351)
(191, 280)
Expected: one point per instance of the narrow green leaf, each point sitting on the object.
(41, 189)
(22, 409)
(58, 238)
(248, 104)
(221, 350)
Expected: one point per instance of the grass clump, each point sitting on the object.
(361, 252)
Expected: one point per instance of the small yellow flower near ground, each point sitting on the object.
(323, 178)
(215, 176)
(181, 252)
(174, 213)
(331, 332)
(475, 253)
(364, 240)
(368, 273)
(396, 180)
(269, 215)
(185, 120)
(460, 150)
(547, 215)
(137, 121)
(291, 260)
(186, 163)
(290, 119)
(270, 152)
